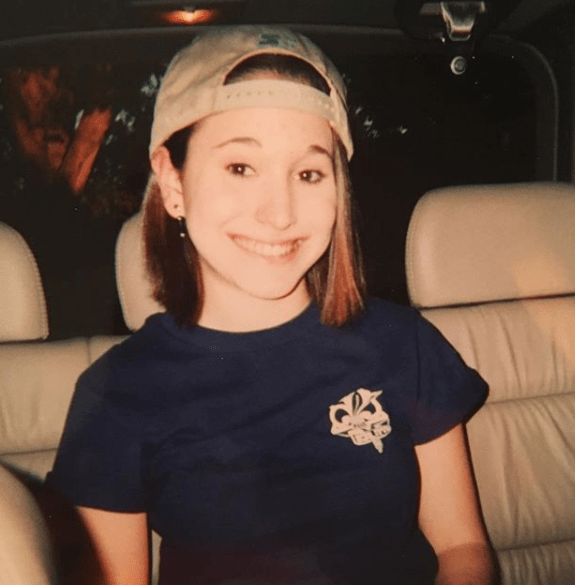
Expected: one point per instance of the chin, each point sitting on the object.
(270, 291)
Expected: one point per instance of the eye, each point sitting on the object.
(240, 169)
(310, 176)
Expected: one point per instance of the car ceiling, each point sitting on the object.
(39, 17)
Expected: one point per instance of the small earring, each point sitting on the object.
(182, 225)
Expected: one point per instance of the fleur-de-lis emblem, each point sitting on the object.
(360, 417)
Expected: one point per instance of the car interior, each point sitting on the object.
(463, 118)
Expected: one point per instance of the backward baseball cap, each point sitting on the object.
(193, 85)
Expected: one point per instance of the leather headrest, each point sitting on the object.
(476, 244)
(23, 315)
(134, 287)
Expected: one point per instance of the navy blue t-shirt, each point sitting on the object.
(274, 457)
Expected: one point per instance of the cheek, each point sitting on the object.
(210, 205)
(323, 214)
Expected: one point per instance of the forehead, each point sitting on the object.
(269, 127)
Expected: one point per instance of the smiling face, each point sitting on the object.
(259, 198)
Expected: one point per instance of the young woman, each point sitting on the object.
(273, 426)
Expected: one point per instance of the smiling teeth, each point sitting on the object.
(265, 249)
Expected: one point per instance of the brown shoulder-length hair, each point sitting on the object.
(335, 282)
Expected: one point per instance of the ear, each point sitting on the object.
(170, 182)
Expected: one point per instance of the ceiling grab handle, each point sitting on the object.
(459, 18)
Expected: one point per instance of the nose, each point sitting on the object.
(276, 207)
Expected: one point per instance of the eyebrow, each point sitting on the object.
(313, 149)
(240, 140)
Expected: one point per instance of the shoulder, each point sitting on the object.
(403, 332)
(383, 320)
(381, 311)
(139, 363)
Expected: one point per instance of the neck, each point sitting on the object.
(245, 313)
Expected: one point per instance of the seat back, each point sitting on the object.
(36, 382)
(134, 286)
(493, 268)
(23, 313)
(25, 549)
(37, 378)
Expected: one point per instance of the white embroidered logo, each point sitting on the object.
(360, 417)
(275, 40)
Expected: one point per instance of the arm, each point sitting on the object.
(449, 513)
(118, 552)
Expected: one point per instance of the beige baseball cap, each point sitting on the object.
(193, 85)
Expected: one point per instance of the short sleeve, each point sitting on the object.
(98, 463)
(448, 391)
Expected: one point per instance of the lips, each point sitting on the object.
(267, 249)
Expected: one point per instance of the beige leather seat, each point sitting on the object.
(37, 379)
(26, 556)
(23, 313)
(25, 552)
(134, 288)
(493, 268)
